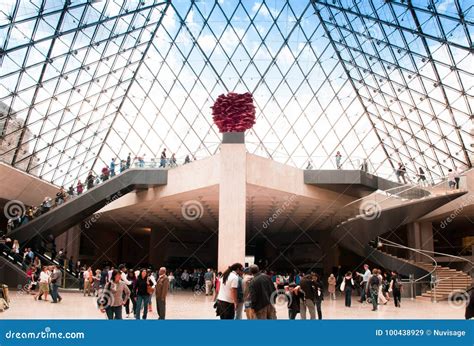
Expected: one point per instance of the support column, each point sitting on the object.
(420, 236)
(232, 203)
(159, 243)
(414, 240)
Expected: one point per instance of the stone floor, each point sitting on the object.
(187, 305)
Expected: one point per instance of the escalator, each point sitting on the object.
(15, 263)
(65, 216)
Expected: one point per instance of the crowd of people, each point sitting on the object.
(241, 289)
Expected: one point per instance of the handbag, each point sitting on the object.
(343, 285)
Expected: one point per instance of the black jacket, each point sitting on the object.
(261, 289)
(141, 286)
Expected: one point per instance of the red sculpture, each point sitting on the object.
(234, 112)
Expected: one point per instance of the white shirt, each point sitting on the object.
(124, 279)
(366, 276)
(225, 290)
(451, 176)
(44, 277)
(86, 275)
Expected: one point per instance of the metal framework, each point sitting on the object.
(390, 81)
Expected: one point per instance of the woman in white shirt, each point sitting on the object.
(227, 296)
(43, 284)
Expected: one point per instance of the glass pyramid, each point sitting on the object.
(82, 82)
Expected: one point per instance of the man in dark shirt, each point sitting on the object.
(56, 278)
(262, 290)
(309, 290)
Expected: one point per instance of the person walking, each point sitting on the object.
(172, 281)
(308, 289)
(44, 280)
(381, 295)
(318, 295)
(227, 292)
(400, 173)
(338, 160)
(161, 290)
(422, 177)
(90, 180)
(246, 279)
(143, 291)
(332, 286)
(294, 301)
(131, 278)
(112, 168)
(363, 285)
(374, 284)
(118, 293)
(347, 286)
(56, 278)
(88, 280)
(208, 280)
(79, 188)
(396, 289)
(163, 159)
(262, 291)
(457, 177)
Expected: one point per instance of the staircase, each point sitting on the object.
(448, 281)
(71, 279)
(403, 207)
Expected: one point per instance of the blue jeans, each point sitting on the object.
(145, 300)
(114, 312)
(54, 292)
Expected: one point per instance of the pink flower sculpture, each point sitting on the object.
(234, 112)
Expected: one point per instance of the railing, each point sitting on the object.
(370, 206)
(389, 243)
(435, 280)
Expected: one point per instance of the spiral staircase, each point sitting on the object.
(360, 232)
(447, 281)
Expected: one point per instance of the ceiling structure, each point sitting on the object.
(84, 81)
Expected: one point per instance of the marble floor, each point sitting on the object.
(188, 305)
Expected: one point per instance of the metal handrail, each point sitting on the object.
(393, 244)
(410, 186)
(448, 255)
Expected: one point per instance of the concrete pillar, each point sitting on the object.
(70, 241)
(426, 235)
(420, 237)
(232, 204)
(159, 244)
